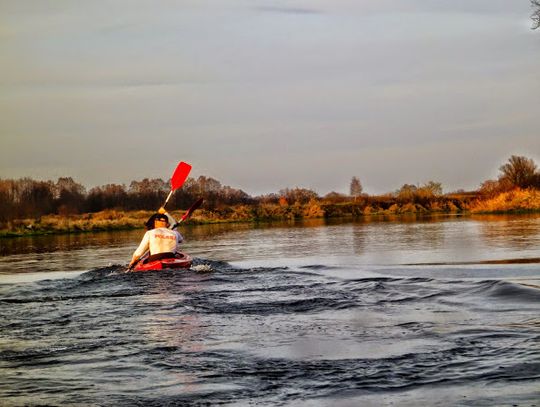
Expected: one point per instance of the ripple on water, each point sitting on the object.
(266, 335)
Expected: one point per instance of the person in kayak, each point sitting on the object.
(160, 241)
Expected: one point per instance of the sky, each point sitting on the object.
(263, 95)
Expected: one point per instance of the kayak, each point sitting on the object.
(182, 261)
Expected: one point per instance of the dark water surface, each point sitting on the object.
(440, 311)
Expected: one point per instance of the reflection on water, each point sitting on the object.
(310, 313)
(521, 232)
(77, 241)
(371, 241)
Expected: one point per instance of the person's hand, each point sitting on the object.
(162, 210)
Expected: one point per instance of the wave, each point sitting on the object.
(524, 260)
(263, 335)
(504, 290)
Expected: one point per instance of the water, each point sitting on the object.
(438, 311)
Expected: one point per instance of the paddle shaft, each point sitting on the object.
(168, 197)
(191, 209)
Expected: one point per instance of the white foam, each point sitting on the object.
(203, 268)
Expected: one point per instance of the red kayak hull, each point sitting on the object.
(183, 262)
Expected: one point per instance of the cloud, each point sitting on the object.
(367, 89)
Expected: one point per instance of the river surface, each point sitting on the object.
(402, 311)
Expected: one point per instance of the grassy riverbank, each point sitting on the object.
(516, 201)
(90, 222)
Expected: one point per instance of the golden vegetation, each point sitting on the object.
(37, 207)
(516, 200)
(91, 222)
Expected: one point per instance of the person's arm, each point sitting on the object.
(179, 237)
(172, 221)
(143, 248)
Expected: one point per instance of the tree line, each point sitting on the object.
(28, 198)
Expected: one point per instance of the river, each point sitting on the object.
(393, 311)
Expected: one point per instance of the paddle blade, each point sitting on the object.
(180, 175)
(192, 208)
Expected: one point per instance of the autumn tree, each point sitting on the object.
(519, 171)
(211, 190)
(233, 196)
(70, 196)
(147, 193)
(490, 188)
(432, 187)
(419, 194)
(335, 197)
(8, 196)
(298, 195)
(356, 187)
(37, 198)
(271, 198)
(110, 196)
(406, 193)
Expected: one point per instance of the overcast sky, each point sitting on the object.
(263, 95)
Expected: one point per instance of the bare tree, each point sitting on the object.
(298, 195)
(110, 196)
(406, 193)
(335, 197)
(434, 188)
(70, 196)
(356, 187)
(536, 14)
(519, 171)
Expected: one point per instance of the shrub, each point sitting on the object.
(517, 200)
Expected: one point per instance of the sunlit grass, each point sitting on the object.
(515, 201)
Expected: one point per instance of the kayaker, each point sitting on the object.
(161, 242)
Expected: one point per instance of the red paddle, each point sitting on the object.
(188, 213)
(178, 178)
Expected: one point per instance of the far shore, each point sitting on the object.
(513, 202)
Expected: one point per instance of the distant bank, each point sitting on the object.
(29, 207)
(514, 201)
